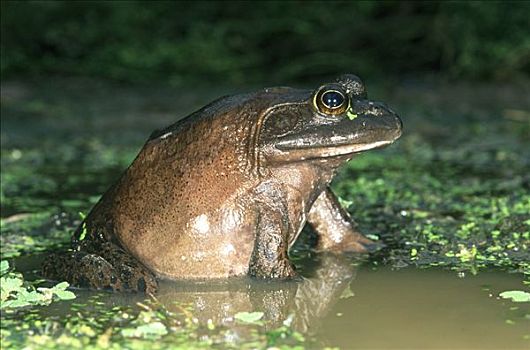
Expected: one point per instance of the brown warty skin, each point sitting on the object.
(226, 191)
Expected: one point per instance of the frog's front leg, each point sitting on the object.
(110, 268)
(270, 256)
(335, 228)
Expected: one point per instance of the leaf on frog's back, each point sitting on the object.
(517, 296)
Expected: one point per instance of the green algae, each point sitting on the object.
(93, 325)
(433, 210)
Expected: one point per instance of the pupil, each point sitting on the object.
(332, 99)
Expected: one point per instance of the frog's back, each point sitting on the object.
(185, 206)
(181, 206)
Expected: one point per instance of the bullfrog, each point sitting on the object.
(227, 190)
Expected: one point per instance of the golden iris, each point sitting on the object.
(331, 100)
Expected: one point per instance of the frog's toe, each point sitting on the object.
(372, 247)
(354, 243)
(345, 247)
(138, 279)
(363, 245)
(132, 275)
(96, 272)
(148, 285)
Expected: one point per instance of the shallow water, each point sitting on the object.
(344, 303)
(428, 309)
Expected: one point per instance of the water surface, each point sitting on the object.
(343, 302)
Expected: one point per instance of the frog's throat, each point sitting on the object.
(253, 151)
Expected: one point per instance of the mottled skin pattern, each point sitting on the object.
(226, 191)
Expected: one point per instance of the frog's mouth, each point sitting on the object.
(316, 152)
(342, 138)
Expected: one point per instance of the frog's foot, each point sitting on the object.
(132, 274)
(352, 241)
(118, 271)
(335, 229)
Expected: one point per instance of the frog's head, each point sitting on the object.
(334, 121)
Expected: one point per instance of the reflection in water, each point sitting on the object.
(304, 301)
(392, 309)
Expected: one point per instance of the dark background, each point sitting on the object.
(260, 42)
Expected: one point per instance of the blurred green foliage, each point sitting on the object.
(245, 42)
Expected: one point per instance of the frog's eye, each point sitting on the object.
(331, 100)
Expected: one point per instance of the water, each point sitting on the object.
(342, 302)
(427, 309)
